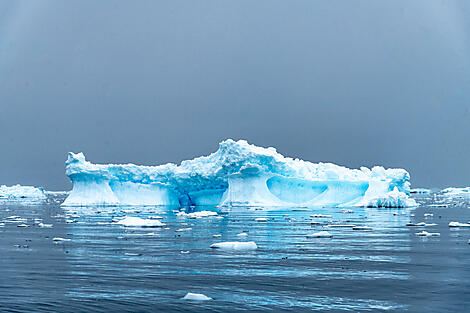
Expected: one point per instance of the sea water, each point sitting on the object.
(55, 259)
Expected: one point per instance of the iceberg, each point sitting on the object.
(237, 174)
(21, 192)
(456, 191)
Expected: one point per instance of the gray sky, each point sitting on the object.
(149, 82)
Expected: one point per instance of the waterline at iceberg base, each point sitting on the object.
(237, 174)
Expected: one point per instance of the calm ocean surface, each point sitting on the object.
(110, 268)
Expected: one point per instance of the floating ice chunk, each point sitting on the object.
(184, 229)
(155, 217)
(22, 225)
(60, 239)
(199, 214)
(426, 234)
(45, 225)
(242, 235)
(237, 174)
(421, 224)
(320, 234)
(347, 211)
(130, 221)
(235, 245)
(320, 216)
(428, 214)
(340, 225)
(362, 228)
(261, 220)
(196, 297)
(13, 217)
(22, 192)
(458, 224)
(184, 252)
(217, 236)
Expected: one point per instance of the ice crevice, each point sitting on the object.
(237, 174)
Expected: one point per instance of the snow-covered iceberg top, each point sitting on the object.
(237, 174)
(21, 192)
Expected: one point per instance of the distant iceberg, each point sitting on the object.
(21, 192)
(237, 174)
(456, 191)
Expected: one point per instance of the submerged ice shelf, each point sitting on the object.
(237, 174)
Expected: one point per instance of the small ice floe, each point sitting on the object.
(196, 297)
(320, 216)
(217, 236)
(59, 239)
(242, 235)
(132, 254)
(219, 217)
(13, 217)
(184, 229)
(426, 234)
(340, 225)
(42, 225)
(22, 225)
(428, 214)
(184, 252)
(421, 224)
(346, 211)
(2, 224)
(362, 228)
(235, 245)
(458, 224)
(166, 228)
(320, 234)
(199, 214)
(261, 220)
(155, 217)
(130, 221)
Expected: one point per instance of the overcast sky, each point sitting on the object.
(149, 82)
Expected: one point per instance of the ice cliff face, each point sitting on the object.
(21, 192)
(237, 174)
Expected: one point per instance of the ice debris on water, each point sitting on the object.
(235, 245)
(60, 239)
(458, 224)
(131, 221)
(237, 174)
(261, 220)
(196, 297)
(242, 235)
(199, 214)
(320, 234)
(426, 234)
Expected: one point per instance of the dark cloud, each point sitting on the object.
(350, 82)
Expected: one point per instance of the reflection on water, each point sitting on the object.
(108, 267)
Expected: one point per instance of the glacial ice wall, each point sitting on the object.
(237, 174)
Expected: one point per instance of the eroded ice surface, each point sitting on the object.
(237, 174)
(21, 192)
